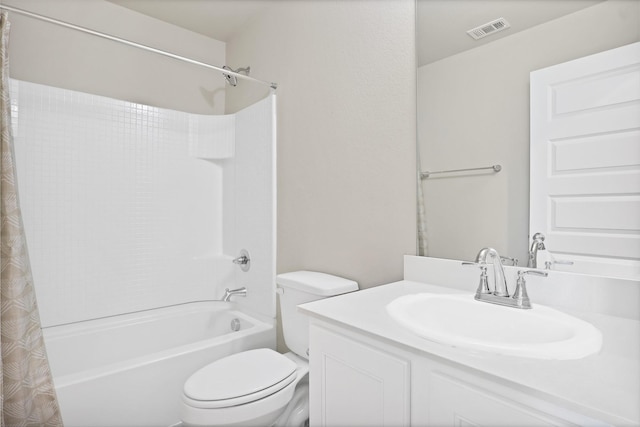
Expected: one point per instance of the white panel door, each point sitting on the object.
(585, 161)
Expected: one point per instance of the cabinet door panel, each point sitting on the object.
(352, 384)
(453, 402)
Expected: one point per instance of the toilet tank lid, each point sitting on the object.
(316, 283)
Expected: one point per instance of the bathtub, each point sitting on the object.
(129, 370)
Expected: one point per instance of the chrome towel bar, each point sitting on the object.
(427, 174)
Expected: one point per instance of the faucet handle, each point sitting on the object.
(244, 260)
(549, 264)
(534, 272)
(513, 261)
(241, 260)
(483, 286)
(520, 295)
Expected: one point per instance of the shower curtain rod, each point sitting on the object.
(134, 44)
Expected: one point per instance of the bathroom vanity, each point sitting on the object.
(366, 369)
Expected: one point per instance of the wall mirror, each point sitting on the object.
(474, 110)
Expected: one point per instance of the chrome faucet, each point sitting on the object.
(500, 294)
(499, 281)
(228, 293)
(536, 245)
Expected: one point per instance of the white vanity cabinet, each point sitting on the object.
(354, 384)
(358, 380)
(456, 397)
(366, 369)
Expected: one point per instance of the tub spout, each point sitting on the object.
(228, 293)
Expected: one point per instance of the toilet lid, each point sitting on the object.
(241, 378)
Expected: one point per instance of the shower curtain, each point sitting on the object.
(423, 245)
(28, 395)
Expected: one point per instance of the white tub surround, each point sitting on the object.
(129, 370)
(415, 381)
(130, 207)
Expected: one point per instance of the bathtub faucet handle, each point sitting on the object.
(241, 260)
(244, 260)
(228, 293)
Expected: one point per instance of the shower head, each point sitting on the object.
(233, 80)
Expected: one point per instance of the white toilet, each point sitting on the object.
(262, 387)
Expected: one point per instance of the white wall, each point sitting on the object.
(346, 131)
(44, 53)
(473, 110)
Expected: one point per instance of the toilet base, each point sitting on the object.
(266, 420)
(296, 413)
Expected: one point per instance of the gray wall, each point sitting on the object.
(346, 131)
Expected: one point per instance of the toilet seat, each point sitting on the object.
(239, 379)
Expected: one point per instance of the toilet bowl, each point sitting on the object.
(262, 387)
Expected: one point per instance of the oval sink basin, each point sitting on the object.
(461, 321)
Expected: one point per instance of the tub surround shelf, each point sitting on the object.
(603, 387)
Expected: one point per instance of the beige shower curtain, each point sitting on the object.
(423, 243)
(28, 395)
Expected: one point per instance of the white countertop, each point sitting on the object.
(604, 386)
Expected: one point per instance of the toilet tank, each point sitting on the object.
(299, 287)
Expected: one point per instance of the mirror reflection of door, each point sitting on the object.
(585, 162)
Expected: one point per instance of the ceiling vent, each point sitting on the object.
(489, 28)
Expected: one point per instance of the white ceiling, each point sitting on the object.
(442, 24)
(218, 19)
